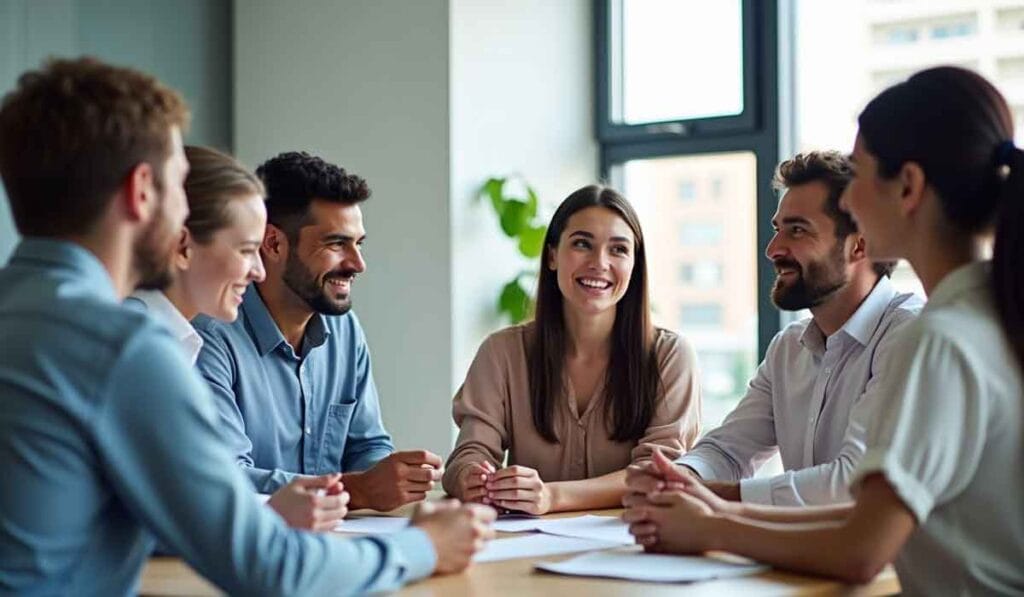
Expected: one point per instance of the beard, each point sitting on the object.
(813, 287)
(153, 254)
(316, 293)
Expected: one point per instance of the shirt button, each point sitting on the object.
(308, 431)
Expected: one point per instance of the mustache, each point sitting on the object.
(782, 262)
(344, 274)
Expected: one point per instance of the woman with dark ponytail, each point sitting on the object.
(940, 491)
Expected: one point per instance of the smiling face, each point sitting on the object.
(593, 260)
(810, 263)
(221, 269)
(326, 257)
(874, 204)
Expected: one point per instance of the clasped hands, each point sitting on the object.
(515, 487)
(669, 510)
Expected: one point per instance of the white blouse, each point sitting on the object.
(160, 307)
(949, 438)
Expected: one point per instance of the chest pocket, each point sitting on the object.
(339, 418)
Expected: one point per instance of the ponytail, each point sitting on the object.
(1007, 278)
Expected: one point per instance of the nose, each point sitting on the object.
(601, 260)
(776, 248)
(257, 273)
(355, 260)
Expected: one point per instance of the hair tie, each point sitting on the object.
(1003, 152)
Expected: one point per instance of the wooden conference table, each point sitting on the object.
(171, 576)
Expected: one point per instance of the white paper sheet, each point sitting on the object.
(372, 525)
(599, 528)
(532, 546)
(517, 525)
(636, 565)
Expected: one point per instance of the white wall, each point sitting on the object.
(521, 102)
(364, 83)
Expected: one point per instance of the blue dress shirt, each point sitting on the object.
(283, 413)
(108, 440)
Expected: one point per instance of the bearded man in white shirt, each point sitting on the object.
(811, 397)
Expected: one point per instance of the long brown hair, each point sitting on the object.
(957, 127)
(632, 378)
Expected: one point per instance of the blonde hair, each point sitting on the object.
(214, 180)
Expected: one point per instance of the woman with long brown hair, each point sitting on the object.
(586, 388)
(939, 489)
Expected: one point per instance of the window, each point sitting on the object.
(700, 234)
(687, 119)
(687, 190)
(703, 274)
(701, 315)
(835, 74)
(953, 29)
(896, 35)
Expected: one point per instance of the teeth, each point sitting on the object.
(589, 283)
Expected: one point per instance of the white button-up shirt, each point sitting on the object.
(161, 308)
(806, 402)
(949, 438)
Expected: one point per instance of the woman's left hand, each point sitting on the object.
(518, 488)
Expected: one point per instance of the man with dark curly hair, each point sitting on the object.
(811, 397)
(292, 374)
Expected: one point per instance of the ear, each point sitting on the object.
(552, 253)
(274, 247)
(138, 193)
(912, 187)
(857, 248)
(183, 255)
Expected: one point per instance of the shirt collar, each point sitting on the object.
(265, 331)
(159, 305)
(968, 278)
(864, 321)
(68, 256)
(861, 325)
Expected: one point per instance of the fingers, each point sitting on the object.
(317, 482)
(667, 498)
(643, 482)
(423, 474)
(480, 512)
(632, 500)
(474, 494)
(417, 457)
(635, 515)
(514, 471)
(516, 495)
(528, 482)
(530, 507)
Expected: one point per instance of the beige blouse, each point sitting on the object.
(492, 410)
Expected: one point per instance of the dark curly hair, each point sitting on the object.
(834, 170)
(295, 178)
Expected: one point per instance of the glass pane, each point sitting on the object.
(849, 50)
(698, 214)
(680, 59)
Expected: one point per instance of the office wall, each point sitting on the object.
(184, 43)
(364, 83)
(522, 103)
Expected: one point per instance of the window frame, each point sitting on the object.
(756, 130)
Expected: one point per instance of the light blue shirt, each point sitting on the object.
(283, 413)
(109, 439)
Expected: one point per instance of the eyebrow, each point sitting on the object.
(330, 238)
(585, 234)
(796, 220)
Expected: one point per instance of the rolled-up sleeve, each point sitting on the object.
(746, 439)
(676, 422)
(480, 411)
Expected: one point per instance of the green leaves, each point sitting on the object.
(515, 301)
(518, 220)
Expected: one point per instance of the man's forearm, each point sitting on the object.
(358, 491)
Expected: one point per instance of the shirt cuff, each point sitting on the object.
(702, 468)
(417, 552)
(912, 492)
(756, 491)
